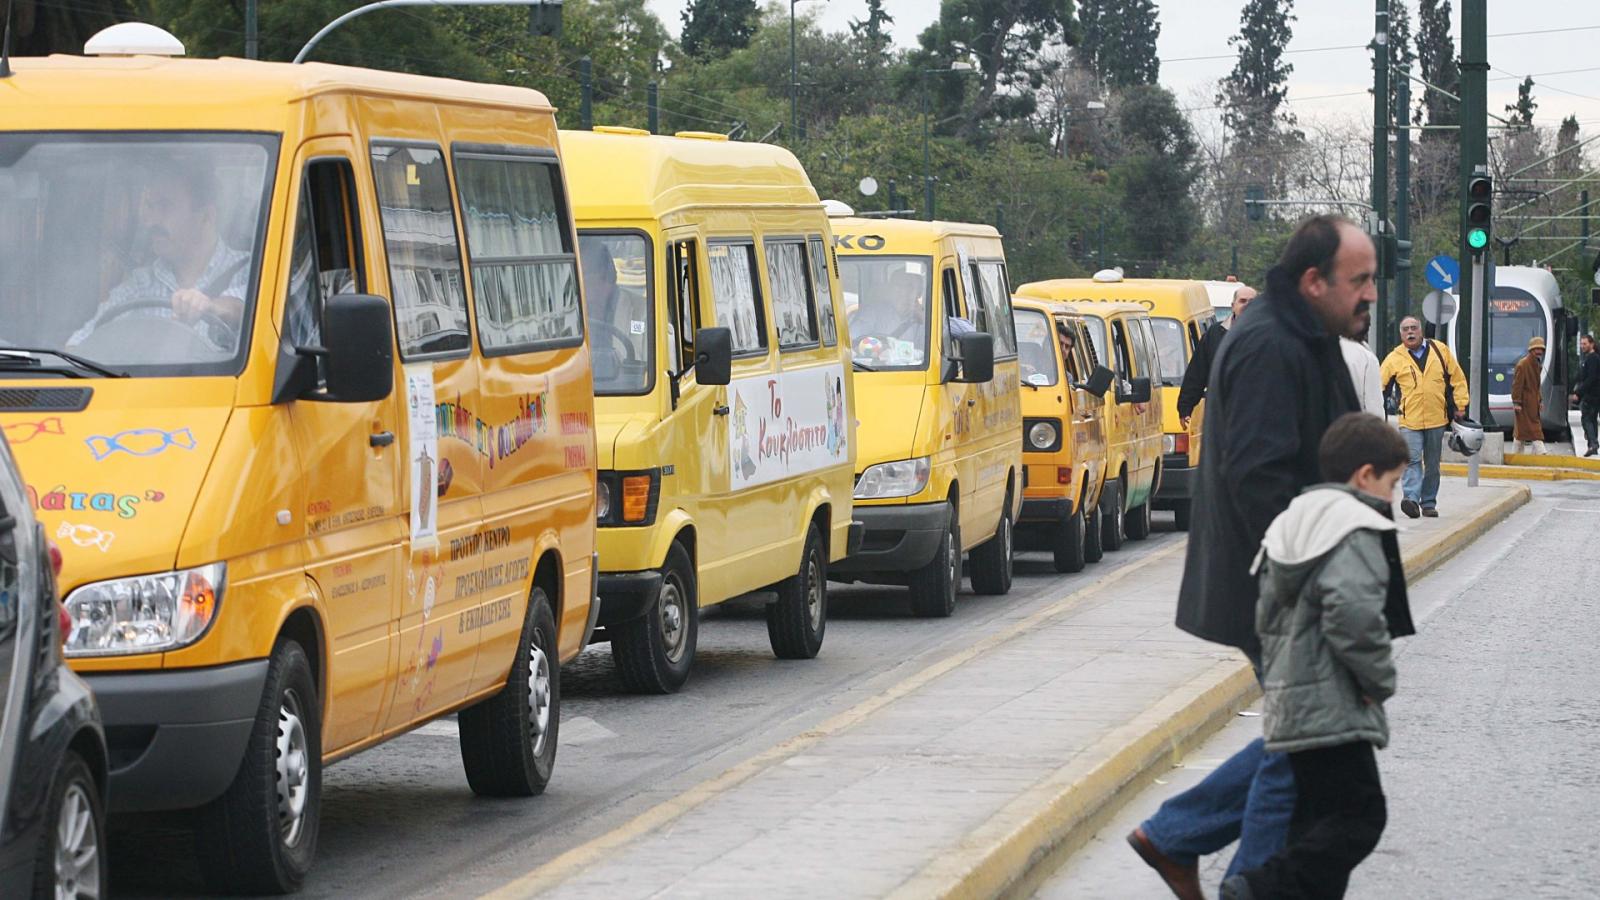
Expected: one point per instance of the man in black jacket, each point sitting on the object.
(1587, 391)
(1278, 382)
(1198, 375)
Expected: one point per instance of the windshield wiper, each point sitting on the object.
(861, 366)
(15, 358)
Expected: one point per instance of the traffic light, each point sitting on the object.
(1402, 257)
(1480, 198)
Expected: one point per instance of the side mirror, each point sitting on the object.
(1099, 382)
(1138, 391)
(713, 356)
(977, 357)
(358, 335)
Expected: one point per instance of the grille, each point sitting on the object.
(44, 399)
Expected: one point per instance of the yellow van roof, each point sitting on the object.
(1051, 307)
(1150, 293)
(902, 236)
(160, 92)
(629, 174)
(1100, 308)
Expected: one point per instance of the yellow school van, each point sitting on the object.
(928, 306)
(294, 365)
(724, 398)
(1063, 434)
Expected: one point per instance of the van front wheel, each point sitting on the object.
(260, 836)
(1066, 543)
(992, 560)
(934, 586)
(1093, 549)
(797, 621)
(1138, 524)
(653, 652)
(508, 742)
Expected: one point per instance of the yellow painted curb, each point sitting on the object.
(1521, 473)
(1591, 463)
(1061, 812)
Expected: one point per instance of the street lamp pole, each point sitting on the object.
(794, 81)
(927, 158)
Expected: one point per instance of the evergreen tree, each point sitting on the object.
(1402, 57)
(39, 28)
(1157, 170)
(1003, 39)
(1568, 163)
(716, 27)
(1253, 94)
(1521, 112)
(1119, 41)
(1436, 57)
(872, 33)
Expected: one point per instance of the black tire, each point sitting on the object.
(260, 836)
(1093, 549)
(992, 561)
(1138, 522)
(508, 741)
(934, 586)
(654, 652)
(72, 845)
(1112, 533)
(1182, 514)
(799, 618)
(1066, 543)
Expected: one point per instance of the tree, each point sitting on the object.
(1521, 112)
(716, 27)
(1156, 170)
(1436, 56)
(1004, 39)
(1119, 41)
(39, 27)
(871, 34)
(1253, 94)
(1402, 58)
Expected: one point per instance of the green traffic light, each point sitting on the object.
(1477, 238)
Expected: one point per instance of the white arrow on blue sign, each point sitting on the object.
(1443, 272)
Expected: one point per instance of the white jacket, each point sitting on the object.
(1363, 365)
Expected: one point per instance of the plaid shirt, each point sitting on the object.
(226, 275)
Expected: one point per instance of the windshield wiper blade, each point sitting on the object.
(28, 358)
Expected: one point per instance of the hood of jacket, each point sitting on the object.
(1317, 520)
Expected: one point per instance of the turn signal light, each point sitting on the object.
(198, 602)
(1063, 474)
(635, 498)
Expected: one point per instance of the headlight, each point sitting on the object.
(144, 614)
(602, 500)
(901, 478)
(1042, 436)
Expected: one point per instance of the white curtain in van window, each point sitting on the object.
(734, 292)
(786, 272)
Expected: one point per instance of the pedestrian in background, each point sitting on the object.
(1333, 594)
(1526, 379)
(1277, 383)
(1364, 372)
(1587, 393)
(1429, 390)
(1198, 375)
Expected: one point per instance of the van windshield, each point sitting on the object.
(1036, 348)
(886, 305)
(138, 253)
(616, 286)
(1169, 347)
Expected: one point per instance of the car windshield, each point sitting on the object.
(886, 305)
(1169, 346)
(1036, 347)
(616, 285)
(138, 253)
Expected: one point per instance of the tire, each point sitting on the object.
(992, 561)
(934, 586)
(1066, 543)
(1112, 524)
(1182, 514)
(1093, 549)
(799, 618)
(71, 859)
(260, 836)
(1138, 521)
(508, 741)
(653, 652)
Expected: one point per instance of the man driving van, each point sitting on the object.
(898, 315)
(195, 276)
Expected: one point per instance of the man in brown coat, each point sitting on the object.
(1525, 398)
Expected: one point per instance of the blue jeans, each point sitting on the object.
(1421, 480)
(1249, 798)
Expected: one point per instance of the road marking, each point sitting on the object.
(571, 862)
(1577, 509)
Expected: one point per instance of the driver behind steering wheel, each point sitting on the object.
(898, 315)
(195, 278)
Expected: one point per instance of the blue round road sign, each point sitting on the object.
(1443, 272)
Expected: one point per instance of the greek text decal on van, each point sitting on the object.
(787, 424)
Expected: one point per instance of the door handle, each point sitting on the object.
(380, 438)
(720, 409)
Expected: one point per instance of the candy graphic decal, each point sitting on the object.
(23, 432)
(140, 442)
(86, 536)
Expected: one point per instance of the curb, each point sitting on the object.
(1018, 847)
(1559, 461)
(1521, 472)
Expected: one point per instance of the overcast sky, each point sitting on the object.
(1199, 28)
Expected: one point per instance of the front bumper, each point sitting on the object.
(895, 539)
(175, 737)
(627, 595)
(1178, 479)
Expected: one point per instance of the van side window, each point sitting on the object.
(324, 253)
(736, 295)
(822, 290)
(419, 234)
(1145, 345)
(997, 319)
(952, 309)
(792, 304)
(683, 302)
(524, 270)
(1119, 343)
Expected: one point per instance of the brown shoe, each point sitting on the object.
(1184, 881)
(1429, 512)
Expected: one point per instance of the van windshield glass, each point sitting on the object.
(1036, 350)
(886, 305)
(616, 287)
(1169, 347)
(137, 253)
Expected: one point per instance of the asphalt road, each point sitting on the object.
(399, 820)
(1491, 772)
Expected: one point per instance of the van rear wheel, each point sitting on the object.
(1066, 543)
(797, 621)
(1182, 514)
(1138, 524)
(508, 741)
(1093, 550)
(934, 586)
(1112, 534)
(992, 560)
(654, 651)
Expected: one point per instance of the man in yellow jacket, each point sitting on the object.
(1432, 392)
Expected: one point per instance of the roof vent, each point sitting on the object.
(1108, 276)
(621, 129)
(702, 135)
(133, 39)
(835, 208)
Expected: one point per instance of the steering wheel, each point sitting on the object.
(211, 319)
(615, 335)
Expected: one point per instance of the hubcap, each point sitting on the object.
(294, 770)
(539, 694)
(1005, 541)
(674, 633)
(814, 593)
(77, 847)
(953, 554)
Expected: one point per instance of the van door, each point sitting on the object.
(349, 460)
(959, 409)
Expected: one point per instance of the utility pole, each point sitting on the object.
(927, 158)
(794, 81)
(252, 41)
(1474, 159)
(1400, 300)
(586, 95)
(652, 100)
(1380, 157)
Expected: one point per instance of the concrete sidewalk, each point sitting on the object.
(962, 779)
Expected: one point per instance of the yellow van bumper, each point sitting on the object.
(894, 539)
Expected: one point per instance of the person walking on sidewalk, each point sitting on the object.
(1198, 375)
(1525, 399)
(1333, 594)
(1587, 393)
(1278, 382)
(1429, 390)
